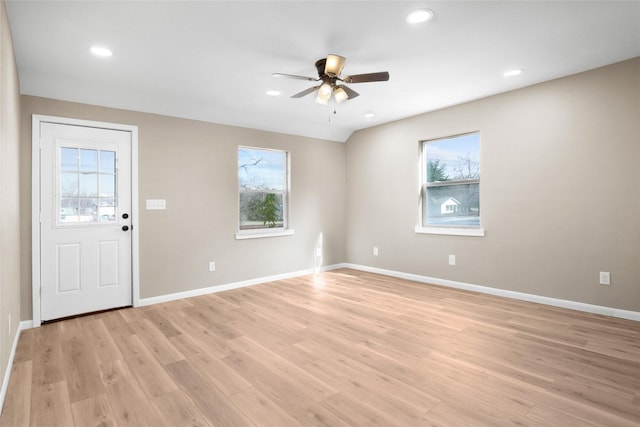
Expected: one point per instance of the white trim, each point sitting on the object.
(253, 234)
(449, 231)
(37, 119)
(234, 285)
(555, 302)
(25, 324)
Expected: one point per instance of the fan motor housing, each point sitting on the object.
(320, 65)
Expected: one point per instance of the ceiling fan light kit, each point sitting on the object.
(334, 65)
(329, 70)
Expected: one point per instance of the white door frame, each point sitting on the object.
(37, 119)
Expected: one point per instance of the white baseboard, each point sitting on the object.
(234, 285)
(572, 305)
(25, 324)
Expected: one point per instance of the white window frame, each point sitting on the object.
(463, 230)
(286, 196)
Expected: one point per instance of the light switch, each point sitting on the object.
(156, 204)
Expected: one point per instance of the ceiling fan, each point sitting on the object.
(329, 70)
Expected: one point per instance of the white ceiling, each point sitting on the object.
(212, 60)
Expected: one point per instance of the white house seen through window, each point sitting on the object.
(263, 189)
(451, 182)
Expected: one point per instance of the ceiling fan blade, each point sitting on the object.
(382, 76)
(350, 92)
(293, 76)
(306, 92)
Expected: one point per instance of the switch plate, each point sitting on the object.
(605, 278)
(452, 260)
(375, 251)
(212, 266)
(156, 204)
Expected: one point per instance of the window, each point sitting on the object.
(263, 187)
(450, 169)
(87, 186)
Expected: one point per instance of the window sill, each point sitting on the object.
(450, 231)
(253, 234)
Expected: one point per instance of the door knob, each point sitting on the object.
(125, 228)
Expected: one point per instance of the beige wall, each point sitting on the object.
(560, 191)
(9, 187)
(193, 165)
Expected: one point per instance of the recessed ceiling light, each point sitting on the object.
(273, 93)
(419, 15)
(370, 115)
(514, 72)
(101, 51)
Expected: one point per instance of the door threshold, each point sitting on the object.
(91, 313)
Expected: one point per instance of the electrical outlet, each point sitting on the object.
(212, 266)
(605, 278)
(375, 251)
(452, 260)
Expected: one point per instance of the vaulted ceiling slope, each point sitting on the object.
(213, 60)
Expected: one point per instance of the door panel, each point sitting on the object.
(85, 190)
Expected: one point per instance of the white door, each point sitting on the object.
(85, 219)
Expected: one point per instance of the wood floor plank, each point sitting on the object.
(209, 400)
(177, 409)
(24, 349)
(127, 400)
(261, 410)
(156, 342)
(50, 405)
(81, 370)
(149, 373)
(338, 349)
(93, 412)
(104, 347)
(17, 404)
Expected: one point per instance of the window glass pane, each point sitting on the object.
(88, 210)
(88, 160)
(69, 184)
(456, 158)
(262, 169)
(68, 210)
(68, 159)
(88, 185)
(453, 205)
(107, 162)
(107, 185)
(261, 210)
(106, 210)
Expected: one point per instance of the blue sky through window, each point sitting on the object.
(452, 151)
(262, 169)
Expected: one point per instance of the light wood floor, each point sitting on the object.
(344, 348)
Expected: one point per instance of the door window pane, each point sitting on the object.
(87, 185)
(107, 162)
(88, 160)
(69, 184)
(69, 159)
(107, 185)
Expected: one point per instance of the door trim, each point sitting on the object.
(37, 120)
